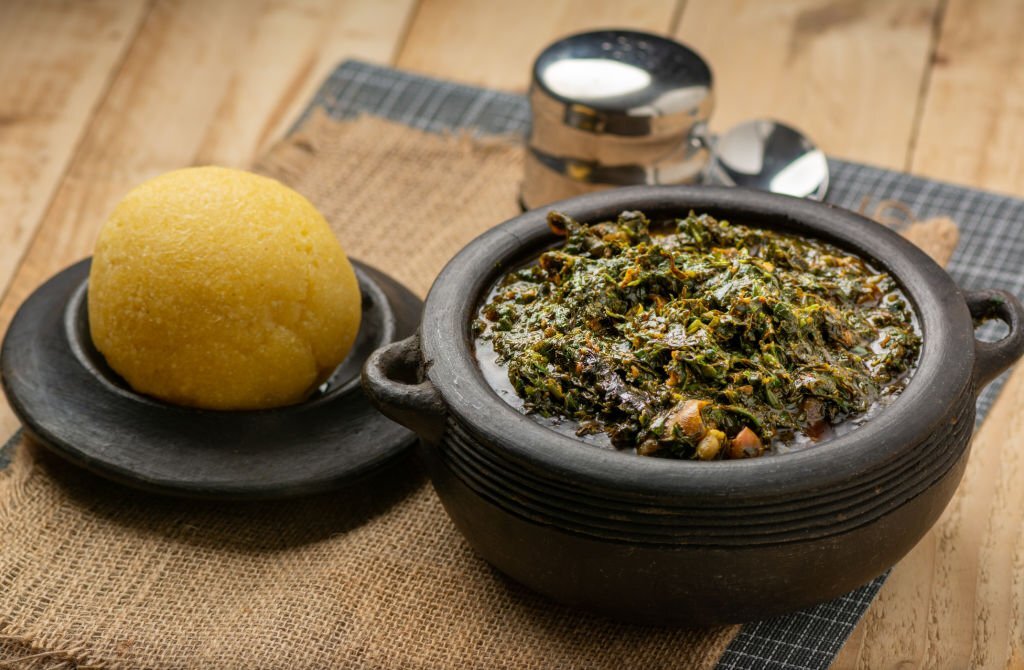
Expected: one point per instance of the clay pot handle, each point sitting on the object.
(393, 379)
(992, 358)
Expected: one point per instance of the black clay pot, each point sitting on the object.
(655, 540)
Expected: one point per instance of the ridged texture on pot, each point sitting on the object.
(616, 515)
(693, 542)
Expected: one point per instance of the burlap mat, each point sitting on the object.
(93, 574)
(96, 575)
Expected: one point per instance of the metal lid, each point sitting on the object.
(624, 108)
(622, 82)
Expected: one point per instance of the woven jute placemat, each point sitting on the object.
(97, 575)
(369, 578)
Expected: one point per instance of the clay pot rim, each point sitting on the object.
(947, 367)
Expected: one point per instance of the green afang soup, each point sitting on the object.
(696, 338)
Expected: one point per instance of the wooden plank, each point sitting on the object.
(957, 600)
(847, 72)
(56, 61)
(494, 43)
(193, 64)
(292, 49)
(972, 123)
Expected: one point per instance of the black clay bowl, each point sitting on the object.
(72, 403)
(656, 540)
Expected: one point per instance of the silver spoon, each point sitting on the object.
(768, 155)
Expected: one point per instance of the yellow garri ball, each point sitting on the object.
(218, 288)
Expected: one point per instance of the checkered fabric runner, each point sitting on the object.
(989, 255)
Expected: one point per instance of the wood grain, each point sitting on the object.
(494, 43)
(972, 125)
(845, 71)
(56, 61)
(291, 49)
(216, 81)
(170, 106)
(957, 600)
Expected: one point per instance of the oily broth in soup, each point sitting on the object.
(695, 338)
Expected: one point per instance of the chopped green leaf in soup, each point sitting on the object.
(698, 338)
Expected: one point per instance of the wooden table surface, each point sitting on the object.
(98, 96)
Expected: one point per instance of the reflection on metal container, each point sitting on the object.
(615, 108)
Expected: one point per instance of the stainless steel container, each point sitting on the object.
(615, 108)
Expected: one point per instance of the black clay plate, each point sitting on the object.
(71, 402)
